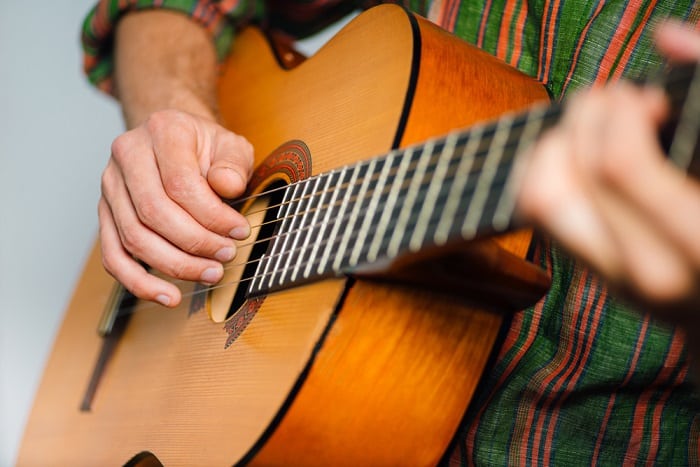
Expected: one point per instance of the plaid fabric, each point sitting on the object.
(580, 379)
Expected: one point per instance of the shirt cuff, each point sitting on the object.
(217, 18)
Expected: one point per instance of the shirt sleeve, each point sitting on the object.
(219, 18)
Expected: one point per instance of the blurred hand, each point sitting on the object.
(161, 202)
(601, 185)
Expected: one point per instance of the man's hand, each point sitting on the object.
(161, 202)
(601, 185)
(162, 188)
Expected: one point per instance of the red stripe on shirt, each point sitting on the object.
(671, 361)
(566, 363)
(586, 346)
(630, 372)
(482, 24)
(632, 44)
(504, 32)
(625, 23)
(579, 47)
(551, 31)
(661, 404)
(518, 35)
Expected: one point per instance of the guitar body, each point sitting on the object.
(337, 372)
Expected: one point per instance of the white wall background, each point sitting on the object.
(55, 132)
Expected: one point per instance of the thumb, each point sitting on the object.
(231, 165)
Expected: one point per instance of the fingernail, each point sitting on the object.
(225, 254)
(211, 275)
(240, 233)
(163, 299)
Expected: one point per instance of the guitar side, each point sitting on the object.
(335, 372)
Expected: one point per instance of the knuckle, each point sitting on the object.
(197, 245)
(181, 270)
(246, 149)
(147, 208)
(168, 121)
(178, 186)
(616, 163)
(160, 119)
(670, 283)
(110, 179)
(137, 288)
(106, 182)
(132, 240)
(122, 145)
(108, 264)
(212, 224)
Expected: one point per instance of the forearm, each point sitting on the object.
(163, 60)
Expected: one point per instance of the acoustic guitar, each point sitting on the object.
(355, 323)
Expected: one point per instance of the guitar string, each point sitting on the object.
(479, 155)
(323, 243)
(505, 162)
(205, 289)
(461, 134)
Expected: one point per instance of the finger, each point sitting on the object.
(141, 242)
(174, 145)
(582, 123)
(678, 41)
(128, 271)
(553, 196)
(652, 208)
(231, 165)
(134, 160)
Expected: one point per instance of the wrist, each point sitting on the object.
(163, 60)
(173, 95)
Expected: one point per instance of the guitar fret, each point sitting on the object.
(685, 139)
(280, 243)
(506, 204)
(329, 247)
(481, 192)
(389, 207)
(326, 218)
(354, 214)
(264, 264)
(459, 184)
(405, 213)
(434, 189)
(302, 231)
(372, 208)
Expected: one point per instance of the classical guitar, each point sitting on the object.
(355, 324)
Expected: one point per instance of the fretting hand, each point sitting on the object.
(601, 185)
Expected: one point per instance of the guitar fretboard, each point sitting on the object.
(360, 216)
(455, 188)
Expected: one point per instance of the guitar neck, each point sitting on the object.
(682, 129)
(455, 188)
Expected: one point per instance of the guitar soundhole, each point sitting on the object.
(231, 297)
(260, 247)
